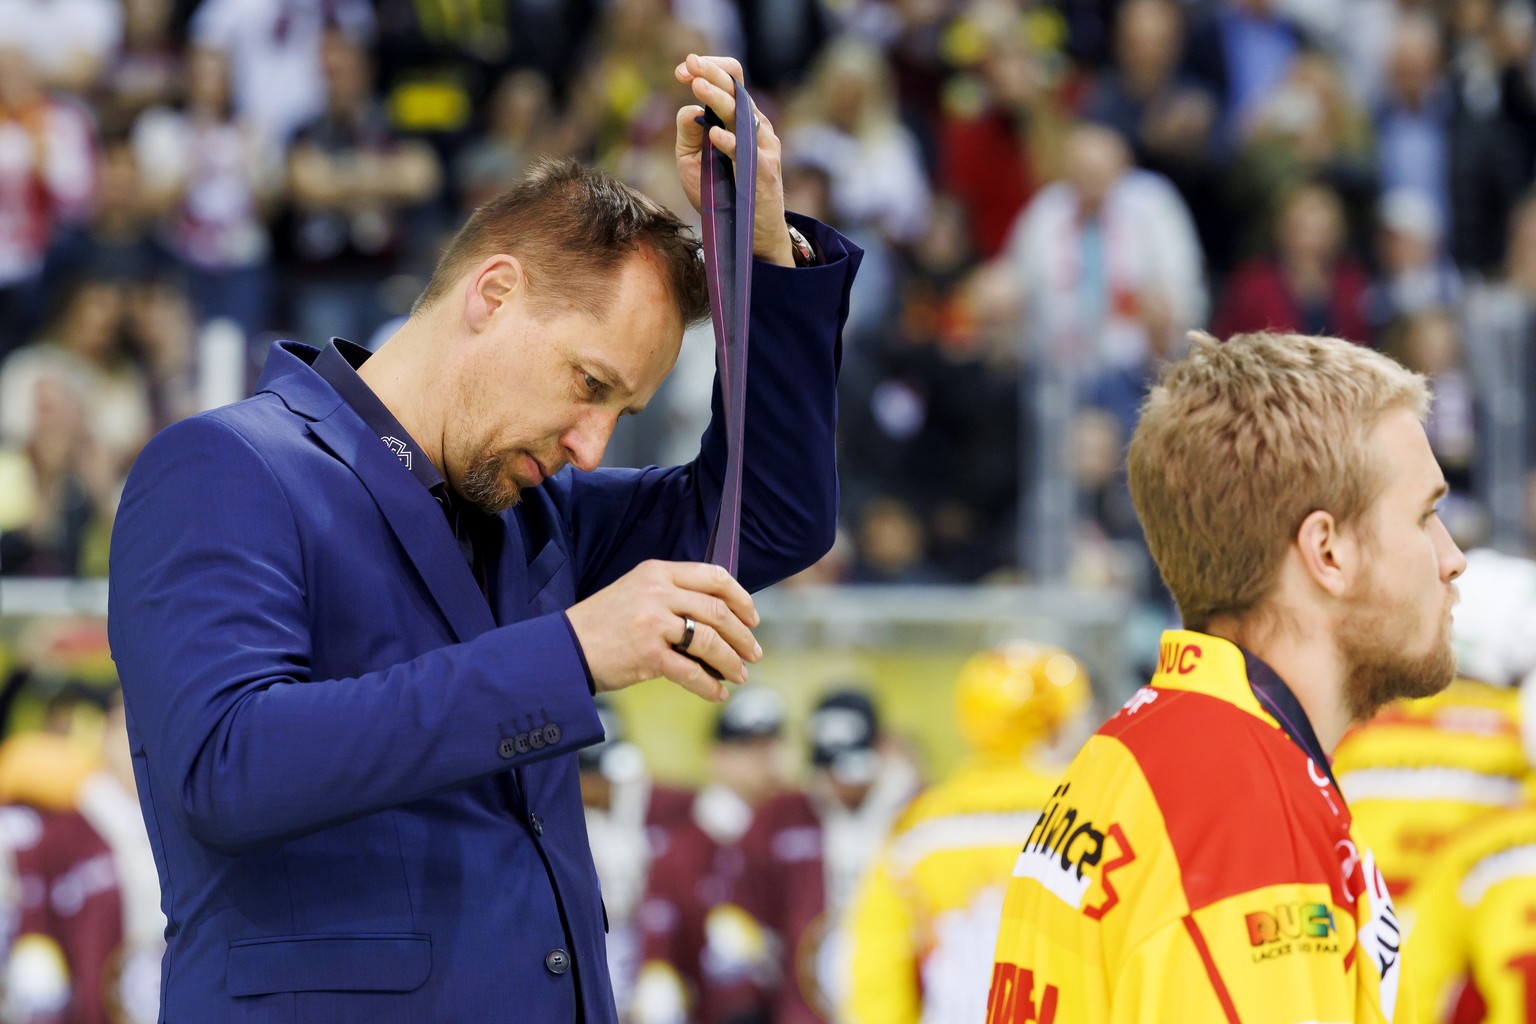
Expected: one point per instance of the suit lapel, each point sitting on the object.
(417, 521)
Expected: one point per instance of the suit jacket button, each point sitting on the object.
(557, 962)
(520, 743)
(551, 734)
(507, 749)
(535, 824)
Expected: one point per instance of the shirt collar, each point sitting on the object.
(337, 363)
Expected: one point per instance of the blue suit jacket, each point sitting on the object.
(358, 775)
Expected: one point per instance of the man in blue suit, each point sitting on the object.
(361, 616)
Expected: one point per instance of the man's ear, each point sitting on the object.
(490, 288)
(1330, 556)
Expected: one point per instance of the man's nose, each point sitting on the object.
(588, 439)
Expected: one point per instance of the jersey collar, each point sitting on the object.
(1218, 668)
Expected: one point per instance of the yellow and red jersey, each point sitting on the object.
(1474, 947)
(924, 923)
(1422, 769)
(1196, 864)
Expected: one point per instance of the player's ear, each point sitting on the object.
(1328, 554)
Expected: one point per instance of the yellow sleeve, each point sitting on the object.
(881, 932)
(1437, 955)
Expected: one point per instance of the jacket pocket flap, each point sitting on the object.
(329, 963)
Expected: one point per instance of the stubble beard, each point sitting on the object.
(1378, 668)
(484, 484)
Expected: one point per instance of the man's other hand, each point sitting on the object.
(628, 629)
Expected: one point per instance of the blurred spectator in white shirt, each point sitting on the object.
(274, 48)
(70, 42)
(1107, 262)
(47, 169)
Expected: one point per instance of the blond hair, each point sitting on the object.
(1240, 442)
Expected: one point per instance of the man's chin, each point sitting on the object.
(1374, 684)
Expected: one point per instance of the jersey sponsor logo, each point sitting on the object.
(1291, 928)
(1063, 845)
(1058, 849)
(1013, 997)
(1177, 658)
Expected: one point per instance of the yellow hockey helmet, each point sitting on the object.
(1018, 694)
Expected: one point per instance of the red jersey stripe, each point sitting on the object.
(1220, 987)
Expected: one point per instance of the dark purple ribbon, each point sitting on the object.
(728, 202)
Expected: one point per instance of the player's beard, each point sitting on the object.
(485, 483)
(1379, 667)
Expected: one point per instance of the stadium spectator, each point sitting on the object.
(1168, 118)
(845, 117)
(213, 180)
(1491, 51)
(1414, 273)
(355, 187)
(1311, 284)
(47, 157)
(55, 481)
(161, 331)
(781, 38)
(1241, 50)
(1107, 263)
(83, 341)
(1001, 124)
(1430, 343)
(146, 70)
(118, 240)
(68, 42)
(1307, 131)
(275, 55)
(523, 125)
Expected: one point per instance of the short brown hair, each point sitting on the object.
(572, 227)
(1240, 442)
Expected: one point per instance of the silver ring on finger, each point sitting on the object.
(689, 626)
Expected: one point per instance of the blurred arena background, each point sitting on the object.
(1050, 192)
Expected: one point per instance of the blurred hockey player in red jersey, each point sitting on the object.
(805, 855)
(627, 813)
(695, 942)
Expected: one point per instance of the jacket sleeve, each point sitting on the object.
(620, 517)
(210, 627)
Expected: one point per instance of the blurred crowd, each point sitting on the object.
(1051, 193)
